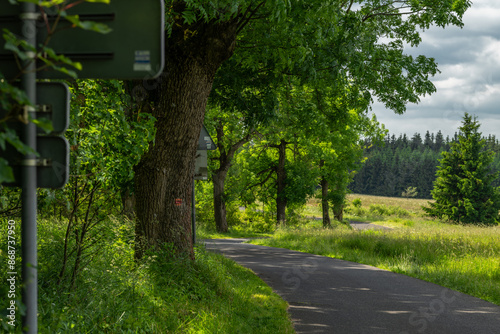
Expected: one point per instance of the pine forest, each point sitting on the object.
(400, 162)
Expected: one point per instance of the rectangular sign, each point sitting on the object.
(134, 49)
(52, 104)
(201, 165)
(53, 164)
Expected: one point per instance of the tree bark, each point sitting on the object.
(164, 176)
(281, 200)
(128, 203)
(324, 198)
(226, 157)
(220, 202)
(338, 212)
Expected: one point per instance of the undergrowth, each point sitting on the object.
(114, 294)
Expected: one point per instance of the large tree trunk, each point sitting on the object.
(281, 200)
(164, 176)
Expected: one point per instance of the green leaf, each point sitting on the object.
(17, 45)
(52, 59)
(88, 25)
(44, 124)
(50, 3)
(6, 173)
(10, 136)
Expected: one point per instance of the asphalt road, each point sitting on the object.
(333, 296)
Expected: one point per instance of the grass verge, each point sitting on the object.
(204, 233)
(466, 259)
(114, 294)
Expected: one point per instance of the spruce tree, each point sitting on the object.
(463, 190)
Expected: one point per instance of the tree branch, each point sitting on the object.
(271, 170)
(244, 20)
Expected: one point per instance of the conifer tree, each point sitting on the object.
(463, 189)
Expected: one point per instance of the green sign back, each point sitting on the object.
(134, 49)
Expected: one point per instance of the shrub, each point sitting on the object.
(356, 202)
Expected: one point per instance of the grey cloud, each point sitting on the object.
(469, 61)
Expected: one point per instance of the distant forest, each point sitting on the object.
(404, 162)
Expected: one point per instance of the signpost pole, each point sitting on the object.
(29, 182)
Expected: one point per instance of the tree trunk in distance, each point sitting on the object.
(226, 156)
(338, 212)
(324, 202)
(281, 175)
(219, 201)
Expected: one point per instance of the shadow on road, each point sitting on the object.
(333, 296)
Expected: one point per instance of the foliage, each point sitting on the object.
(341, 45)
(410, 192)
(397, 164)
(157, 295)
(320, 129)
(356, 202)
(463, 190)
(403, 162)
(106, 141)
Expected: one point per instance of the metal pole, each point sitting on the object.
(28, 183)
(193, 214)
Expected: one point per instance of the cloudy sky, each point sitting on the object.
(469, 61)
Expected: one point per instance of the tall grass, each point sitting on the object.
(114, 294)
(466, 259)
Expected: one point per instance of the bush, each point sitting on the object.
(384, 210)
(356, 203)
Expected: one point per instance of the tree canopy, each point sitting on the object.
(251, 49)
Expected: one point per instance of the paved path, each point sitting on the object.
(333, 296)
(367, 226)
(359, 225)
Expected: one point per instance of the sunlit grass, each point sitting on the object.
(386, 211)
(203, 233)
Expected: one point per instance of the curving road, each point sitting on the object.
(333, 296)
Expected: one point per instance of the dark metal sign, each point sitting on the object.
(205, 143)
(52, 104)
(52, 166)
(53, 163)
(133, 49)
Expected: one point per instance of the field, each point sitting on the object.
(408, 204)
(386, 211)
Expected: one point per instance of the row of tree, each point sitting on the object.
(326, 59)
(399, 163)
(313, 138)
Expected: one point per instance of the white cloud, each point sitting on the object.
(469, 61)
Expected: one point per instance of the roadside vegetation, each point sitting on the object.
(284, 120)
(463, 258)
(159, 294)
